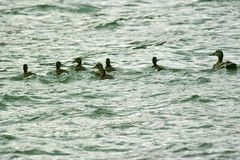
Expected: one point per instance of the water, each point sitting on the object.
(186, 112)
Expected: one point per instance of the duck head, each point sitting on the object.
(58, 64)
(25, 68)
(219, 54)
(154, 61)
(99, 66)
(78, 61)
(108, 62)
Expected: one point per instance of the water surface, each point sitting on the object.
(185, 112)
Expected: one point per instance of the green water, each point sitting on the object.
(188, 111)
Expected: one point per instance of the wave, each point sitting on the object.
(7, 137)
(145, 44)
(217, 0)
(2, 106)
(35, 152)
(46, 8)
(99, 112)
(110, 25)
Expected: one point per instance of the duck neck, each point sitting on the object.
(103, 73)
(108, 65)
(220, 59)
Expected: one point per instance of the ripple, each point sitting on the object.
(183, 149)
(206, 145)
(36, 152)
(7, 137)
(110, 25)
(203, 80)
(195, 98)
(3, 106)
(46, 8)
(121, 126)
(96, 112)
(202, 127)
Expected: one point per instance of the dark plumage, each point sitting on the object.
(58, 70)
(79, 66)
(220, 63)
(155, 65)
(108, 66)
(102, 72)
(26, 73)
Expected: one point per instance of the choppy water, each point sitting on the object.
(190, 112)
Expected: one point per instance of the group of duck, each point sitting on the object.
(109, 68)
(101, 70)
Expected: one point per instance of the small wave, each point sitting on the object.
(205, 145)
(84, 8)
(46, 8)
(2, 106)
(184, 149)
(145, 44)
(51, 78)
(100, 148)
(121, 126)
(7, 137)
(36, 152)
(111, 25)
(13, 98)
(203, 80)
(3, 44)
(195, 98)
(215, 0)
(202, 127)
(99, 112)
(202, 154)
(21, 77)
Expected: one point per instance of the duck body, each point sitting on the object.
(60, 71)
(79, 68)
(27, 74)
(223, 64)
(110, 68)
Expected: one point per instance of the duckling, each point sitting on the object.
(108, 66)
(26, 73)
(102, 72)
(79, 66)
(58, 70)
(155, 65)
(220, 64)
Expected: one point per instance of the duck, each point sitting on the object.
(220, 63)
(155, 65)
(58, 70)
(108, 66)
(79, 66)
(26, 73)
(102, 72)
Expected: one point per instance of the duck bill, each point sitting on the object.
(213, 54)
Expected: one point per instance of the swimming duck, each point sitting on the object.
(108, 66)
(220, 64)
(102, 72)
(79, 66)
(58, 70)
(26, 73)
(155, 65)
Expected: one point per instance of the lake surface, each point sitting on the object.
(188, 111)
